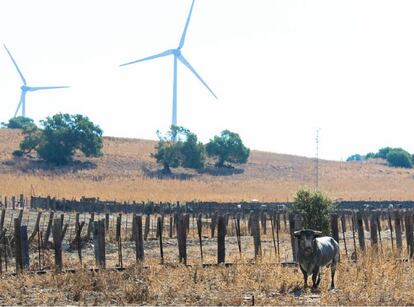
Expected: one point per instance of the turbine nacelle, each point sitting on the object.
(177, 52)
(25, 88)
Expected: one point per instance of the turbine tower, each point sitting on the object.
(25, 88)
(177, 56)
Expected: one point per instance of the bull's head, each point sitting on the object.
(307, 239)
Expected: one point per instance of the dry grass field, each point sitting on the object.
(127, 172)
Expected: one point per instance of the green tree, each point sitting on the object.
(228, 147)
(398, 157)
(383, 152)
(179, 147)
(355, 157)
(315, 209)
(193, 152)
(19, 122)
(61, 136)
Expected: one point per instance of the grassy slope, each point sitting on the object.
(127, 172)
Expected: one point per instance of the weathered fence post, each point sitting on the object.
(182, 238)
(147, 227)
(139, 243)
(18, 246)
(48, 229)
(361, 235)
(255, 229)
(398, 231)
(3, 215)
(221, 238)
(99, 242)
(343, 227)
(391, 230)
(25, 247)
(374, 233)
(57, 243)
(36, 227)
(200, 233)
(334, 227)
(118, 238)
(409, 234)
(160, 228)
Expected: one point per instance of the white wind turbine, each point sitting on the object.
(180, 57)
(25, 88)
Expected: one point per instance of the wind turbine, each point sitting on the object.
(25, 88)
(177, 56)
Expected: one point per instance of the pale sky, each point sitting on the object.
(281, 69)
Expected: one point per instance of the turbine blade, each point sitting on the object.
(15, 64)
(37, 88)
(182, 40)
(20, 103)
(159, 55)
(186, 63)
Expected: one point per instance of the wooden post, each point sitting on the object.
(263, 220)
(36, 227)
(171, 226)
(79, 240)
(256, 235)
(343, 226)
(238, 233)
(409, 233)
(213, 224)
(361, 235)
(57, 243)
(200, 233)
(147, 227)
(182, 238)
(160, 228)
(99, 242)
(334, 227)
(139, 243)
(18, 246)
(379, 230)
(48, 229)
(398, 231)
(391, 229)
(106, 222)
(25, 247)
(374, 233)
(221, 238)
(118, 238)
(353, 234)
(273, 224)
(90, 226)
(3, 215)
(21, 201)
(13, 202)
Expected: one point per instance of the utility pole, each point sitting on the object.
(317, 161)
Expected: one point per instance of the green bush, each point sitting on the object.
(398, 157)
(18, 122)
(315, 209)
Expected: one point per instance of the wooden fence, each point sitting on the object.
(26, 235)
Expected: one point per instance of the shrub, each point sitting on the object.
(18, 122)
(315, 209)
(398, 157)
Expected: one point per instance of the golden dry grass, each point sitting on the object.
(374, 280)
(125, 173)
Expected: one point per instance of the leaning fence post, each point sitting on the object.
(200, 231)
(409, 234)
(221, 238)
(25, 247)
(343, 226)
(391, 230)
(48, 229)
(160, 228)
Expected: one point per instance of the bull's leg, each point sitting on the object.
(305, 277)
(333, 269)
(315, 274)
(319, 279)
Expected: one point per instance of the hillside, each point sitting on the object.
(127, 172)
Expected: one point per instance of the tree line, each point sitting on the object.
(395, 156)
(60, 136)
